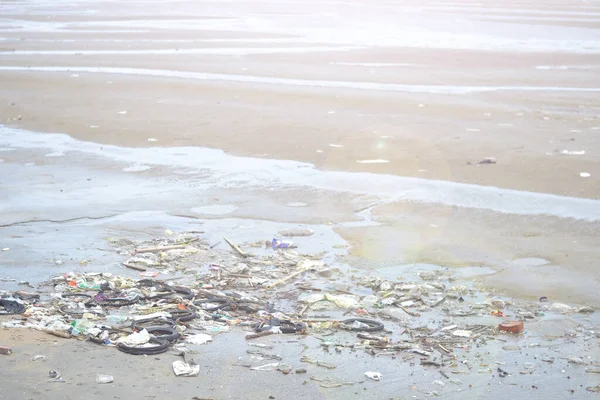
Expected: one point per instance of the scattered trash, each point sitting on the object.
(5, 351)
(512, 326)
(544, 299)
(203, 291)
(376, 376)
(38, 357)
(593, 389)
(104, 378)
(584, 174)
(181, 368)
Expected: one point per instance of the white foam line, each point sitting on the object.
(253, 173)
(394, 87)
(374, 64)
(219, 50)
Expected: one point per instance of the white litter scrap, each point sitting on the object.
(184, 369)
(460, 333)
(100, 378)
(199, 338)
(265, 367)
(376, 376)
(136, 338)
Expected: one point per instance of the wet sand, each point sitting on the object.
(347, 89)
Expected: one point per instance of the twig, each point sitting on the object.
(443, 348)
(303, 310)
(63, 335)
(192, 240)
(292, 275)
(411, 313)
(235, 247)
(160, 248)
(137, 268)
(257, 335)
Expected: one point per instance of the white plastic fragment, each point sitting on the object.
(376, 376)
(461, 333)
(199, 338)
(265, 367)
(136, 338)
(104, 378)
(184, 369)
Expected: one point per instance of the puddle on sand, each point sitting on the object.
(137, 168)
(412, 270)
(529, 262)
(296, 204)
(215, 209)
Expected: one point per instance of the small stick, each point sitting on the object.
(443, 348)
(235, 247)
(137, 268)
(192, 240)
(259, 334)
(412, 314)
(64, 335)
(160, 248)
(303, 310)
(287, 278)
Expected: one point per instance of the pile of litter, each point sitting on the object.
(265, 292)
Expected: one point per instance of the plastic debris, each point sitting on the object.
(55, 376)
(181, 368)
(460, 333)
(198, 338)
(376, 376)
(104, 378)
(38, 357)
(512, 326)
(266, 367)
(281, 244)
(136, 338)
